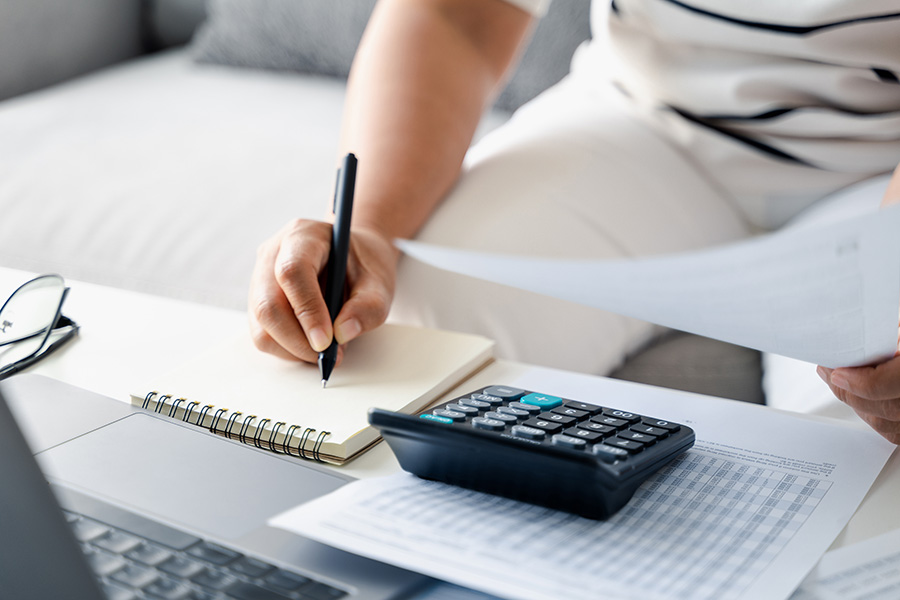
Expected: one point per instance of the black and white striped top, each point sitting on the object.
(780, 102)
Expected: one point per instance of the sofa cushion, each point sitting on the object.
(321, 36)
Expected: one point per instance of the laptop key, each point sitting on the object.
(251, 567)
(285, 580)
(135, 576)
(321, 591)
(167, 589)
(214, 579)
(148, 554)
(181, 566)
(103, 563)
(118, 542)
(86, 530)
(243, 590)
(213, 553)
(113, 591)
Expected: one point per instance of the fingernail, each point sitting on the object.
(346, 331)
(823, 373)
(839, 379)
(318, 340)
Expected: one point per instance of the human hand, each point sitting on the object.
(873, 391)
(288, 314)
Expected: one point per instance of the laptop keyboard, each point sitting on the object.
(183, 567)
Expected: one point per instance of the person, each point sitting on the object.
(681, 125)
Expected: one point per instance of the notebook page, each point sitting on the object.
(393, 367)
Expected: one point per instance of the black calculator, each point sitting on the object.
(579, 457)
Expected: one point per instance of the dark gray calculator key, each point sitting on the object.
(629, 445)
(489, 424)
(530, 408)
(567, 441)
(570, 412)
(469, 410)
(637, 436)
(479, 404)
(611, 421)
(492, 400)
(499, 416)
(505, 392)
(529, 433)
(548, 426)
(621, 414)
(557, 418)
(516, 412)
(456, 417)
(609, 453)
(646, 429)
(667, 425)
(585, 434)
(597, 427)
(591, 409)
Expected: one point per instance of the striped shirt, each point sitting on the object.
(779, 102)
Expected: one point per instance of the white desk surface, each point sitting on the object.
(127, 337)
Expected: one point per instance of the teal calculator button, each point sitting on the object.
(437, 418)
(541, 400)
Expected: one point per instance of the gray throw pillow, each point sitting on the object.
(321, 36)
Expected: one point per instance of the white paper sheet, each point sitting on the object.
(745, 514)
(869, 570)
(826, 294)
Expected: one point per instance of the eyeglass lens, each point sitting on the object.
(28, 316)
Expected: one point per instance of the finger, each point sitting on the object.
(370, 280)
(878, 382)
(888, 429)
(273, 325)
(302, 256)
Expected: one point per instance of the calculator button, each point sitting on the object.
(480, 404)
(516, 412)
(584, 434)
(454, 416)
(529, 408)
(646, 429)
(557, 418)
(545, 401)
(611, 421)
(529, 433)
(567, 441)
(467, 410)
(637, 436)
(505, 392)
(570, 412)
(609, 453)
(548, 426)
(629, 445)
(591, 409)
(621, 414)
(667, 425)
(499, 416)
(493, 400)
(489, 424)
(437, 419)
(597, 427)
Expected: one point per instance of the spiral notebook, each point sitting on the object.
(279, 405)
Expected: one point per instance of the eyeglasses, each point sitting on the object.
(32, 325)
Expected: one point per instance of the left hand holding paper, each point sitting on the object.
(873, 391)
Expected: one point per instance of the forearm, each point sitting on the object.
(425, 72)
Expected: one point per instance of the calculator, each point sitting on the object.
(582, 457)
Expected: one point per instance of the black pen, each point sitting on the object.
(337, 259)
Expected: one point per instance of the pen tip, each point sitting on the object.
(324, 381)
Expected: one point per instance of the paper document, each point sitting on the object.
(868, 570)
(745, 514)
(825, 294)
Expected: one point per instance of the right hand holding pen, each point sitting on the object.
(288, 315)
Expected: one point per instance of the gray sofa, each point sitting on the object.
(136, 136)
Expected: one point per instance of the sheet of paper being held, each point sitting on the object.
(826, 294)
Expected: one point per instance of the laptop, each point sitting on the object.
(141, 506)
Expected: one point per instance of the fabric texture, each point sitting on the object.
(779, 103)
(321, 36)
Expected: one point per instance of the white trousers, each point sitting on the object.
(572, 174)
